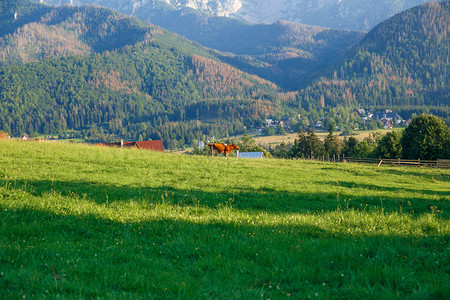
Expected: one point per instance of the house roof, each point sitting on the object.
(386, 115)
(4, 135)
(144, 145)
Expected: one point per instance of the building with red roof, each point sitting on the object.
(143, 145)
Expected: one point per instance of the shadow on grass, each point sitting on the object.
(266, 199)
(406, 171)
(430, 173)
(48, 254)
(373, 187)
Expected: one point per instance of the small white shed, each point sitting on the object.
(252, 155)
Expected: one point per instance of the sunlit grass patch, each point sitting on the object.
(82, 221)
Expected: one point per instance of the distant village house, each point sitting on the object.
(4, 135)
(285, 123)
(387, 117)
(387, 124)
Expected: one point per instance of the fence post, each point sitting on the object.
(418, 162)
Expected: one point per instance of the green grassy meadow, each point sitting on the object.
(81, 222)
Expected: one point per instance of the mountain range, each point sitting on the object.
(360, 15)
(403, 61)
(103, 74)
(287, 53)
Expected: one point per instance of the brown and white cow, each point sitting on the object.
(225, 148)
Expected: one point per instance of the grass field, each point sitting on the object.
(85, 222)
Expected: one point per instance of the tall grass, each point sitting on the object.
(79, 221)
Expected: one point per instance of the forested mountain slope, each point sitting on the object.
(129, 79)
(34, 32)
(286, 53)
(16, 13)
(134, 80)
(403, 62)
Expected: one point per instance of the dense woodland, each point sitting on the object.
(158, 93)
(66, 31)
(159, 86)
(401, 63)
(96, 74)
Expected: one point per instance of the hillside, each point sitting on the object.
(337, 14)
(91, 222)
(289, 54)
(17, 13)
(283, 52)
(127, 79)
(64, 31)
(402, 63)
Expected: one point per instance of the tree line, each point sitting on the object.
(427, 137)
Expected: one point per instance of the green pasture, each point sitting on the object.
(81, 221)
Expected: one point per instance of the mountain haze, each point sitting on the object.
(337, 14)
(289, 54)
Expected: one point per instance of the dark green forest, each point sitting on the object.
(99, 75)
(133, 81)
(401, 63)
(143, 91)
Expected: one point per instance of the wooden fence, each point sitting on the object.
(440, 163)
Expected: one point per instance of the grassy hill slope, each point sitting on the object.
(80, 221)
